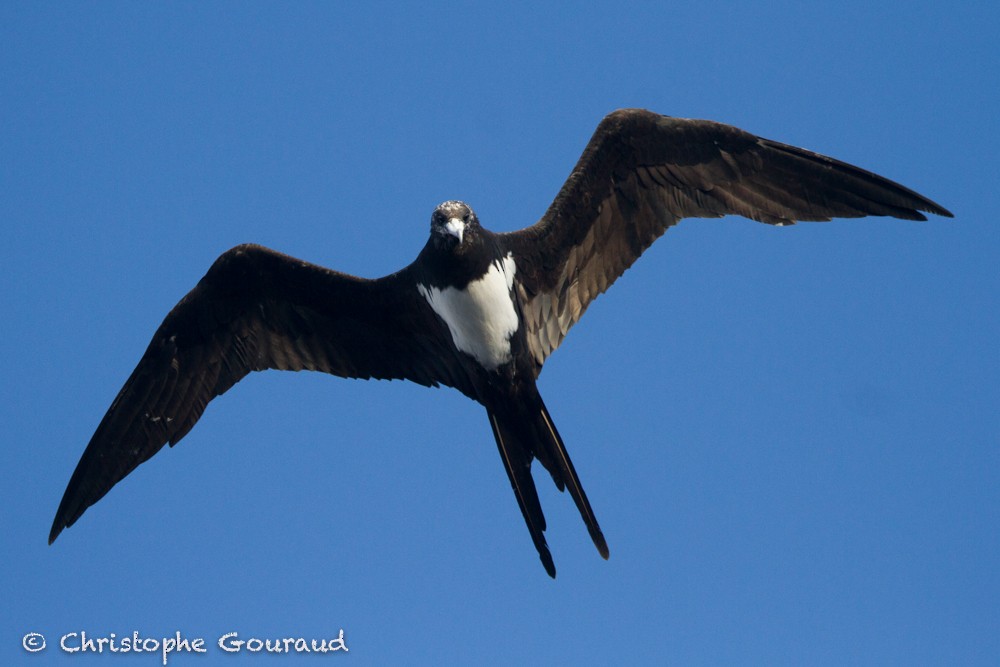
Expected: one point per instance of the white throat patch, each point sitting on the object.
(481, 317)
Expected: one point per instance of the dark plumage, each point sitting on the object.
(477, 311)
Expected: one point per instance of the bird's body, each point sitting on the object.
(481, 316)
(476, 311)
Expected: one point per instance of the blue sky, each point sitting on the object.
(790, 436)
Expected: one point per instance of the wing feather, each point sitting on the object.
(256, 309)
(641, 173)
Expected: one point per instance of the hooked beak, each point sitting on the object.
(455, 227)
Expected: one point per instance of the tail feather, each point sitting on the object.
(573, 482)
(527, 432)
(517, 462)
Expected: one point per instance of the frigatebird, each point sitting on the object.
(476, 310)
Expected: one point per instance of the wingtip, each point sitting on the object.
(59, 523)
(918, 213)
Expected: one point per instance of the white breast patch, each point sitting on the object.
(481, 317)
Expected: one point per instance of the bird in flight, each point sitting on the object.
(476, 310)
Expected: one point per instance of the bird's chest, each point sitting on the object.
(482, 316)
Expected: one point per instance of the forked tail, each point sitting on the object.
(524, 431)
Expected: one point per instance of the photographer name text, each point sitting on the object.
(231, 642)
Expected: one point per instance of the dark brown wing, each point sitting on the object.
(641, 173)
(256, 309)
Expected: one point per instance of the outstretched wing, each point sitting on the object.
(641, 173)
(256, 309)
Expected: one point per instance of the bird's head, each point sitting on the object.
(454, 226)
